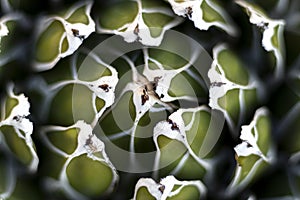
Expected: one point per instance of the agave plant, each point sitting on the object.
(150, 99)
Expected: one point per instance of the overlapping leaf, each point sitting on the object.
(255, 152)
(179, 140)
(169, 188)
(204, 14)
(138, 20)
(272, 30)
(83, 168)
(233, 89)
(60, 36)
(16, 129)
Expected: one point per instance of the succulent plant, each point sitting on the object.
(150, 99)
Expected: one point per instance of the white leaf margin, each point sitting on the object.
(192, 9)
(18, 120)
(137, 30)
(74, 41)
(259, 19)
(163, 190)
(87, 143)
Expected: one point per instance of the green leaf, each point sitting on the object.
(233, 68)
(89, 177)
(119, 15)
(65, 141)
(204, 14)
(17, 145)
(137, 20)
(74, 106)
(60, 36)
(49, 39)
